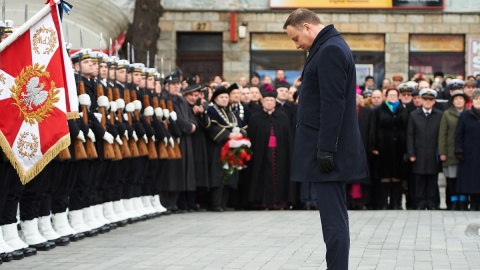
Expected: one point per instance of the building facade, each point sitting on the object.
(236, 38)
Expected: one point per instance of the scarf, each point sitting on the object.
(392, 105)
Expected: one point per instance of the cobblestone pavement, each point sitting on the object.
(274, 240)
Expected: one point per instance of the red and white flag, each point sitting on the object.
(36, 93)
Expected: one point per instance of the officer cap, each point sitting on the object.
(84, 53)
(428, 93)
(455, 84)
(122, 63)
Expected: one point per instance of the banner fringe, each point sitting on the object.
(27, 176)
(72, 115)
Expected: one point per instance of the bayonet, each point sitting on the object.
(148, 60)
(133, 54)
(169, 66)
(26, 12)
(110, 49)
(81, 37)
(128, 52)
(162, 66)
(155, 63)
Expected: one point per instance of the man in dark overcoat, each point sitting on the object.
(328, 149)
(422, 149)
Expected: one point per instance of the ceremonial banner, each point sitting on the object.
(34, 93)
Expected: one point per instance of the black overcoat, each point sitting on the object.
(422, 141)
(389, 139)
(327, 117)
(467, 135)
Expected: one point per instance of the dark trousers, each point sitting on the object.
(220, 196)
(135, 177)
(13, 190)
(151, 173)
(426, 190)
(331, 201)
(113, 180)
(186, 200)
(54, 179)
(169, 199)
(64, 185)
(122, 171)
(80, 188)
(33, 193)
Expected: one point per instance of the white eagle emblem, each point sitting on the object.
(36, 95)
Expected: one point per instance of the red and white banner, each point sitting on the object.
(37, 92)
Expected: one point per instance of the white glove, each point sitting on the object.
(148, 111)
(108, 137)
(84, 99)
(120, 103)
(130, 107)
(113, 106)
(80, 136)
(126, 134)
(171, 142)
(118, 140)
(178, 140)
(80, 114)
(159, 112)
(98, 116)
(137, 104)
(91, 135)
(145, 138)
(102, 101)
(134, 136)
(173, 116)
(166, 113)
(153, 138)
(165, 141)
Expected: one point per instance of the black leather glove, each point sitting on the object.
(325, 160)
(460, 156)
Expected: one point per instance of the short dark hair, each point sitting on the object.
(300, 16)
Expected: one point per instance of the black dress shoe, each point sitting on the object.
(104, 229)
(91, 233)
(45, 246)
(52, 244)
(28, 251)
(122, 223)
(113, 225)
(6, 257)
(76, 237)
(62, 241)
(167, 213)
(217, 209)
(17, 255)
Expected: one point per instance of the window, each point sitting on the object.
(431, 53)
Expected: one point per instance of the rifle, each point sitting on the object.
(176, 147)
(162, 148)
(170, 148)
(152, 151)
(116, 147)
(142, 146)
(132, 144)
(124, 149)
(108, 152)
(90, 150)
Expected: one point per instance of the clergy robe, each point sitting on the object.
(270, 165)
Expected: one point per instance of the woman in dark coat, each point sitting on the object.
(358, 191)
(467, 151)
(388, 141)
(220, 129)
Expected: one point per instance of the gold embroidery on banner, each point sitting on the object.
(27, 145)
(33, 101)
(44, 36)
(2, 78)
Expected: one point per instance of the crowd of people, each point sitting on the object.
(149, 144)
